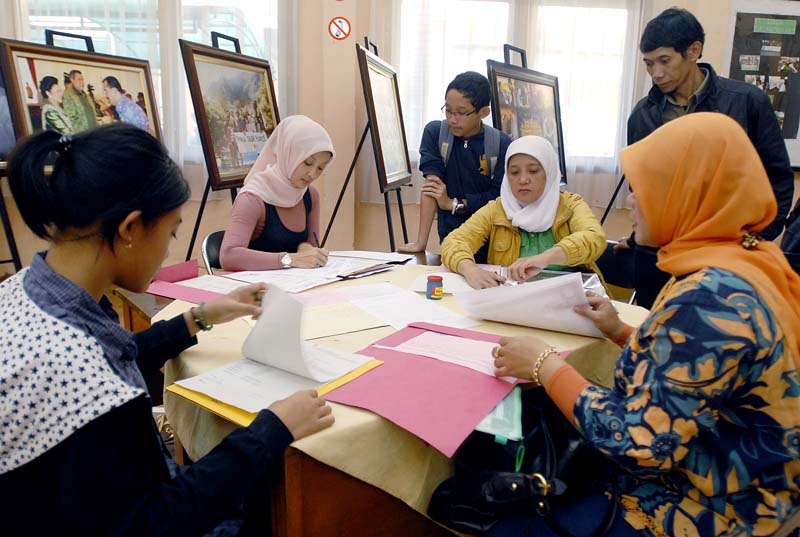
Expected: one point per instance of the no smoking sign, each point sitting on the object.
(339, 28)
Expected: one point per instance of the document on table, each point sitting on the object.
(386, 257)
(545, 304)
(399, 307)
(295, 280)
(277, 362)
(451, 282)
(469, 353)
(216, 284)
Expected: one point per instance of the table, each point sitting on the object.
(360, 445)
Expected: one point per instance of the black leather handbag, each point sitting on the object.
(527, 478)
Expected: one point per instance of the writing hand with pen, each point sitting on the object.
(309, 256)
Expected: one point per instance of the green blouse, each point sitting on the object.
(536, 242)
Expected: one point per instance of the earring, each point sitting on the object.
(129, 245)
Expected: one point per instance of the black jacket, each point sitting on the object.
(751, 108)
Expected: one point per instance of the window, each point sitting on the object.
(589, 67)
(440, 39)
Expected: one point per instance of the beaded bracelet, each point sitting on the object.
(199, 319)
(538, 364)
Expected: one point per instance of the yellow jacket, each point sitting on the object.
(575, 228)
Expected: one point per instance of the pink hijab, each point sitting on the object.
(294, 139)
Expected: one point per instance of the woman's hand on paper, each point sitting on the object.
(603, 314)
(303, 413)
(516, 356)
(243, 301)
(526, 267)
(309, 257)
(479, 278)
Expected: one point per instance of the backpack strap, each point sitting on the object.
(491, 146)
(445, 141)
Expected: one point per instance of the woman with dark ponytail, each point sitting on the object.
(79, 452)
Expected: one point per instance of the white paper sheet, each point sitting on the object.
(291, 283)
(543, 304)
(399, 307)
(451, 282)
(295, 280)
(469, 353)
(276, 341)
(217, 284)
(248, 385)
(387, 257)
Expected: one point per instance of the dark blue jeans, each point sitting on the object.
(580, 517)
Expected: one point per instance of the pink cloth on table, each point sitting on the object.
(248, 218)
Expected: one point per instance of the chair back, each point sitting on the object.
(210, 249)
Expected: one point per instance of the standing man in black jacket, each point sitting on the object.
(671, 45)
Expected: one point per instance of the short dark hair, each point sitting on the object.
(99, 176)
(474, 86)
(73, 73)
(113, 83)
(47, 84)
(674, 27)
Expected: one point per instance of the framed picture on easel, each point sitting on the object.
(526, 102)
(382, 97)
(71, 91)
(235, 106)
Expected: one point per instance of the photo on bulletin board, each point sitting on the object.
(382, 97)
(525, 102)
(764, 51)
(70, 91)
(235, 106)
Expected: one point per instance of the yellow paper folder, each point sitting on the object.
(242, 417)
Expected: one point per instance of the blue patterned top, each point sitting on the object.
(704, 414)
(132, 113)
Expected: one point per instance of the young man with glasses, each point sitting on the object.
(462, 160)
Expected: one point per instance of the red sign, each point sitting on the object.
(339, 28)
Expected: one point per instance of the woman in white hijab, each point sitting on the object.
(275, 219)
(531, 226)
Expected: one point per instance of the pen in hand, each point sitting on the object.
(316, 239)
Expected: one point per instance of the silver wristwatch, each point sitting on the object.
(286, 261)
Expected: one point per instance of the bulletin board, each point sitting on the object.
(764, 50)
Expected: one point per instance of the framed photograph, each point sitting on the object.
(525, 102)
(7, 137)
(236, 109)
(382, 97)
(70, 91)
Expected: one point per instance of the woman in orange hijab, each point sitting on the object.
(704, 417)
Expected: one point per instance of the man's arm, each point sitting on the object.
(765, 133)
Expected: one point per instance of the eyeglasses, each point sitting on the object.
(458, 115)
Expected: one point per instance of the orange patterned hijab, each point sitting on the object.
(702, 187)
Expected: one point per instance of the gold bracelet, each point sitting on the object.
(537, 366)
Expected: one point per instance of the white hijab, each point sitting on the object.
(294, 139)
(539, 215)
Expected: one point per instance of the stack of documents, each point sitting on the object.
(295, 280)
(277, 362)
(546, 304)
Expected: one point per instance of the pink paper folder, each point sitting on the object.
(439, 402)
(164, 284)
(181, 292)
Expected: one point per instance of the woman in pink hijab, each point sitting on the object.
(275, 219)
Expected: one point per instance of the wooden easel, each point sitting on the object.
(386, 202)
(238, 48)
